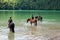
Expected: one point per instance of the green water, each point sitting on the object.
(49, 15)
(41, 32)
(20, 16)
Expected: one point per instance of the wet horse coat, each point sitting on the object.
(32, 21)
(11, 26)
(39, 18)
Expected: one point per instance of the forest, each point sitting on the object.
(30, 5)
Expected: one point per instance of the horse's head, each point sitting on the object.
(40, 18)
(36, 17)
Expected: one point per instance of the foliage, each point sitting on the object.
(30, 5)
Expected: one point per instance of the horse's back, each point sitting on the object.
(11, 25)
(33, 20)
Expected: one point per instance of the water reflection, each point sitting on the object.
(33, 30)
(11, 36)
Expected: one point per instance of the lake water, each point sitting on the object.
(48, 29)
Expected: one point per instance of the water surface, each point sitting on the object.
(49, 29)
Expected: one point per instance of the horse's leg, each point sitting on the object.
(35, 22)
(13, 30)
(10, 29)
(31, 23)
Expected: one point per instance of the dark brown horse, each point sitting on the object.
(39, 18)
(11, 25)
(32, 20)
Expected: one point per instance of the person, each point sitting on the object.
(32, 16)
(33, 20)
(11, 25)
(10, 20)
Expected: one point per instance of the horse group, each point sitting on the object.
(34, 20)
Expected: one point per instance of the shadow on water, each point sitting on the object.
(11, 36)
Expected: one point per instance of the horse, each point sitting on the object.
(11, 26)
(39, 18)
(32, 20)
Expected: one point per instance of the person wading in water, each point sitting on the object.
(11, 25)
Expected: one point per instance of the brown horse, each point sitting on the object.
(32, 20)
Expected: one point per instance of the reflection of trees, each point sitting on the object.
(31, 4)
